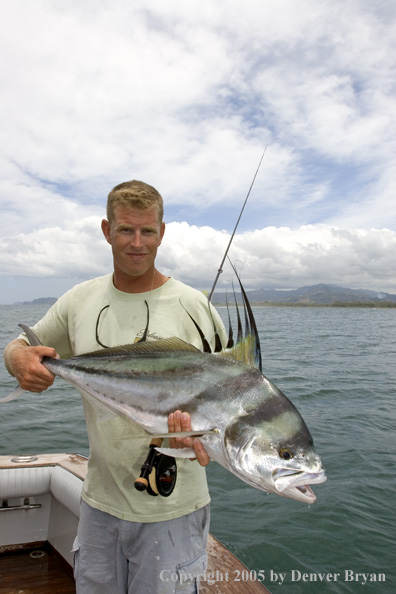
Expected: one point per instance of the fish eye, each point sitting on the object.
(286, 453)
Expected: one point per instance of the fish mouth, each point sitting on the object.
(295, 484)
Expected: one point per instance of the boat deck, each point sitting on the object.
(36, 570)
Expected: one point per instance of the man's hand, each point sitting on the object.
(179, 421)
(24, 362)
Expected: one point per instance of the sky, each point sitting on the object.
(187, 96)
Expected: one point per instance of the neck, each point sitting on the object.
(152, 279)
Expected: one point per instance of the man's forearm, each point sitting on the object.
(8, 351)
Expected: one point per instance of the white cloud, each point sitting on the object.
(75, 251)
(185, 95)
(285, 258)
(269, 257)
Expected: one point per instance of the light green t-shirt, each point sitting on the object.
(115, 459)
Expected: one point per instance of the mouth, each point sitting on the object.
(136, 257)
(295, 484)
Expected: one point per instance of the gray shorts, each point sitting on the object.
(113, 556)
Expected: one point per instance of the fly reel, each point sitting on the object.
(158, 473)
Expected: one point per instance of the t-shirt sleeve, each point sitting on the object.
(53, 329)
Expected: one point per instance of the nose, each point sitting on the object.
(136, 240)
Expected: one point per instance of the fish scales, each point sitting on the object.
(170, 381)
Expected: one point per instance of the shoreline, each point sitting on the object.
(352, 304)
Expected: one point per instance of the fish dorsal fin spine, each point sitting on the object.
(205, 344)
(247, 348)
(218, 347)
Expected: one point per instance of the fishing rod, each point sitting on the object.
(220, 270)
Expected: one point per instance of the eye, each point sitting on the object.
(286, 453)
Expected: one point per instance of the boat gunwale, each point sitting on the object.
(74, 463)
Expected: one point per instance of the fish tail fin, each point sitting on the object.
(18, 391)
(32, 338)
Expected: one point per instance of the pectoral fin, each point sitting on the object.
(177, 453)
(180, 434)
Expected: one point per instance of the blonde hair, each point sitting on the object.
(134, 194)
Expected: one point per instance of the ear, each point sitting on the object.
(106, 230)
(162, 231)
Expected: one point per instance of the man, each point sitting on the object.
(127, 540)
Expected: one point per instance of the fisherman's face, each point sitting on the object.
(134, 236)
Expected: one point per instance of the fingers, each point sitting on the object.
(179, 421)
(200, 452)
(34, 383)
(29, 370)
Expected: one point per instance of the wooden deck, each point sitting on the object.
(36, 570)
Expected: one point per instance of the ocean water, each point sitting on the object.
(338, 366)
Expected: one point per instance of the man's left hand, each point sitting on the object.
(179, 421)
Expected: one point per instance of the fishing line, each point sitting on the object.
(220, 270)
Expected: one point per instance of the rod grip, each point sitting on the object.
(142, 482)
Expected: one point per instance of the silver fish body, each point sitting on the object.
(261, 436)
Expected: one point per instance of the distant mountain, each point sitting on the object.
(39, 301)
(321, 294)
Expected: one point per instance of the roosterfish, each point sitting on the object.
(246, 424)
